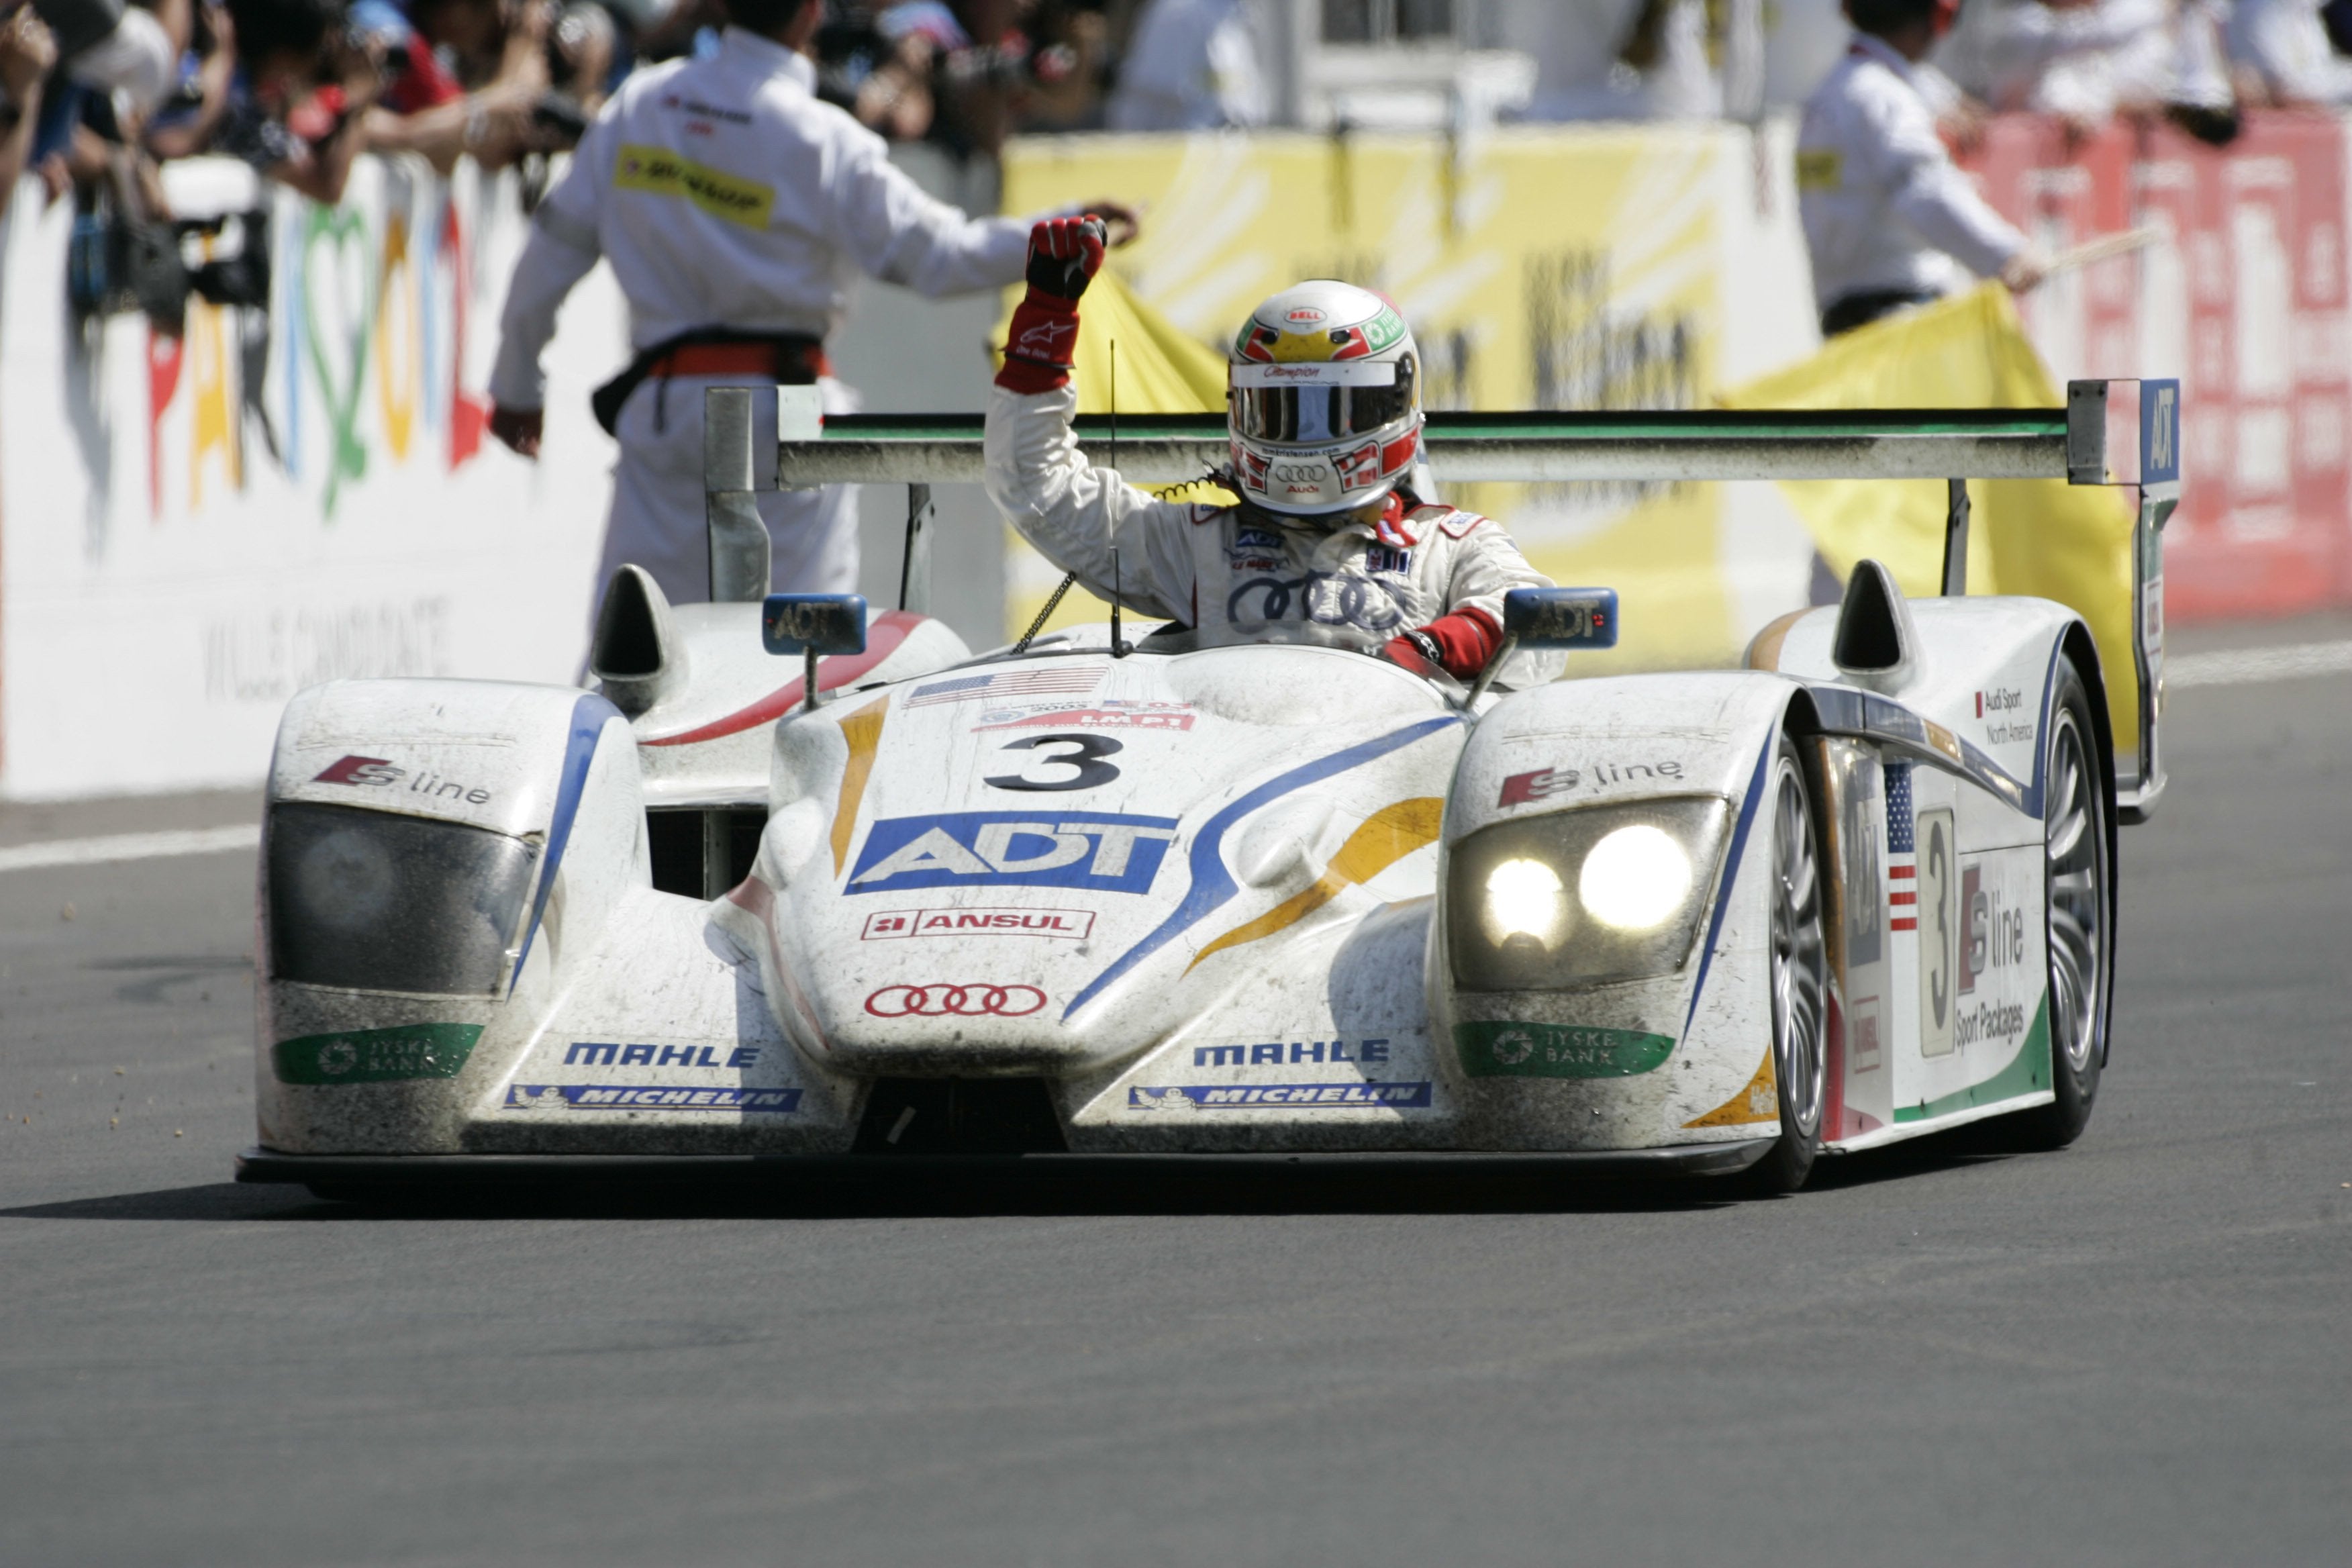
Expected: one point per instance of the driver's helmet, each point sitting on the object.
(1323, 400)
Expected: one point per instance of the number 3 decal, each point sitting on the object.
(1080, 768)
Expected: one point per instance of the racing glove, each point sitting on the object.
(1459, 644)
(1065, 254)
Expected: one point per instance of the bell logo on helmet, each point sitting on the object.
(1306, 314)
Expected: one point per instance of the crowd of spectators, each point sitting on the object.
(95, 93)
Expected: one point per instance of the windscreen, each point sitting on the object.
(372, 902)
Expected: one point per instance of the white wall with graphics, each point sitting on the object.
(194, 529)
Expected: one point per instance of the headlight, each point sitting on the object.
(1641, 873)
(373, 902)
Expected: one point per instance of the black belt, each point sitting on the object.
(1851, 310)
(799, 361)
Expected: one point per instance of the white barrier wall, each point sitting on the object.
(194, 529)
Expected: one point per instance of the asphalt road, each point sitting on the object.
(2139, 1351)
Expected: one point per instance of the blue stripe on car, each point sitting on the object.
(1213, 885)
(588, 717)
(1731, 873)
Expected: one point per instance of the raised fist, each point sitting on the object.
(1065, 254)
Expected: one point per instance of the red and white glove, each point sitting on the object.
(1065, 254)
(1459, 644)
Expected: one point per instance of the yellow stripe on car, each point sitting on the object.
(1386, 836)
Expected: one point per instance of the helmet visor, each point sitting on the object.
(1294, 414)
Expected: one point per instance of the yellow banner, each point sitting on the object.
(1537, 269)
(2042, 537)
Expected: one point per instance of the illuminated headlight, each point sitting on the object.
(1584, 897)
(373, 902)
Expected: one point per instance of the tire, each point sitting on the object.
(1800, 979)
(2079, 919)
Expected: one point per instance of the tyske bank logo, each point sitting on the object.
(1094, 850)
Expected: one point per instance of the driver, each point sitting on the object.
(1328, 544)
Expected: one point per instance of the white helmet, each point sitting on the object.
(1323, 399)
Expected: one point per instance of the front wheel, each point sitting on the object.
(1799, 959)
(2082, 937)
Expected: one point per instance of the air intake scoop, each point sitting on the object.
(637, 653)
(1877, 644)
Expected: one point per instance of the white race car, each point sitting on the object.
(1069, 896)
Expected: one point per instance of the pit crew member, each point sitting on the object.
(735, 207)
(1886, 213)
(1326, 546)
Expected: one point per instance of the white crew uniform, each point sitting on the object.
(725, 194)
(1247, 577)
(1886, 210)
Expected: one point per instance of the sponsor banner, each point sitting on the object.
(1557, 1050)
(196, 526)
(1282, 1096)
(1098, 851)
(1070, 925)
(651, 1097)
(402, 1054)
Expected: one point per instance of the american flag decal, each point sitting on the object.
(1054, 679)
(1902, 857)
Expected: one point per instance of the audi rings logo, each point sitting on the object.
(1293, 474)
(955, 1000)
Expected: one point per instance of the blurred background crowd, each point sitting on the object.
(97, 92)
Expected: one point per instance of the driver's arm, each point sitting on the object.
(1071, 511)
(1486, 565)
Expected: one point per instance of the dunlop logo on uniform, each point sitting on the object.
(658, 172)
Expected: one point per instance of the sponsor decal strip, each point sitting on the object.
(402, 1054)
(651, 1097)
(883, 635)
(1557, 1050)
(1282, 1096)
(1213, 885)
(588, 717)
(1383, 839)
(862, 730)
(2026, 1072)
(1056, 679)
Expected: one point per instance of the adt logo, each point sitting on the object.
(1094, 850)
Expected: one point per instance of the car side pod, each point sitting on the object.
(811, 625)
(1550, 618)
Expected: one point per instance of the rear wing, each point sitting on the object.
(2115, 432)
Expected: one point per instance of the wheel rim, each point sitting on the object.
(1799, 964)
(2078, 856)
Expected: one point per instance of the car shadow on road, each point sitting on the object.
(1066, 1185)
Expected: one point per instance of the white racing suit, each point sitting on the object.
(1242, 575)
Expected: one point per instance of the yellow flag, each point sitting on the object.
(2042, 537)
(1160, 370)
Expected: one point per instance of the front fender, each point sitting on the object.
(1674, 1058)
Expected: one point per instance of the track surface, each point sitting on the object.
(2136, 1351)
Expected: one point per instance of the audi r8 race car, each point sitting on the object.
(1074, 895)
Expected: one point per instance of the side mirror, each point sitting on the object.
(810, 625)
(813, 623)
(1560, 617)
(1549, 617)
